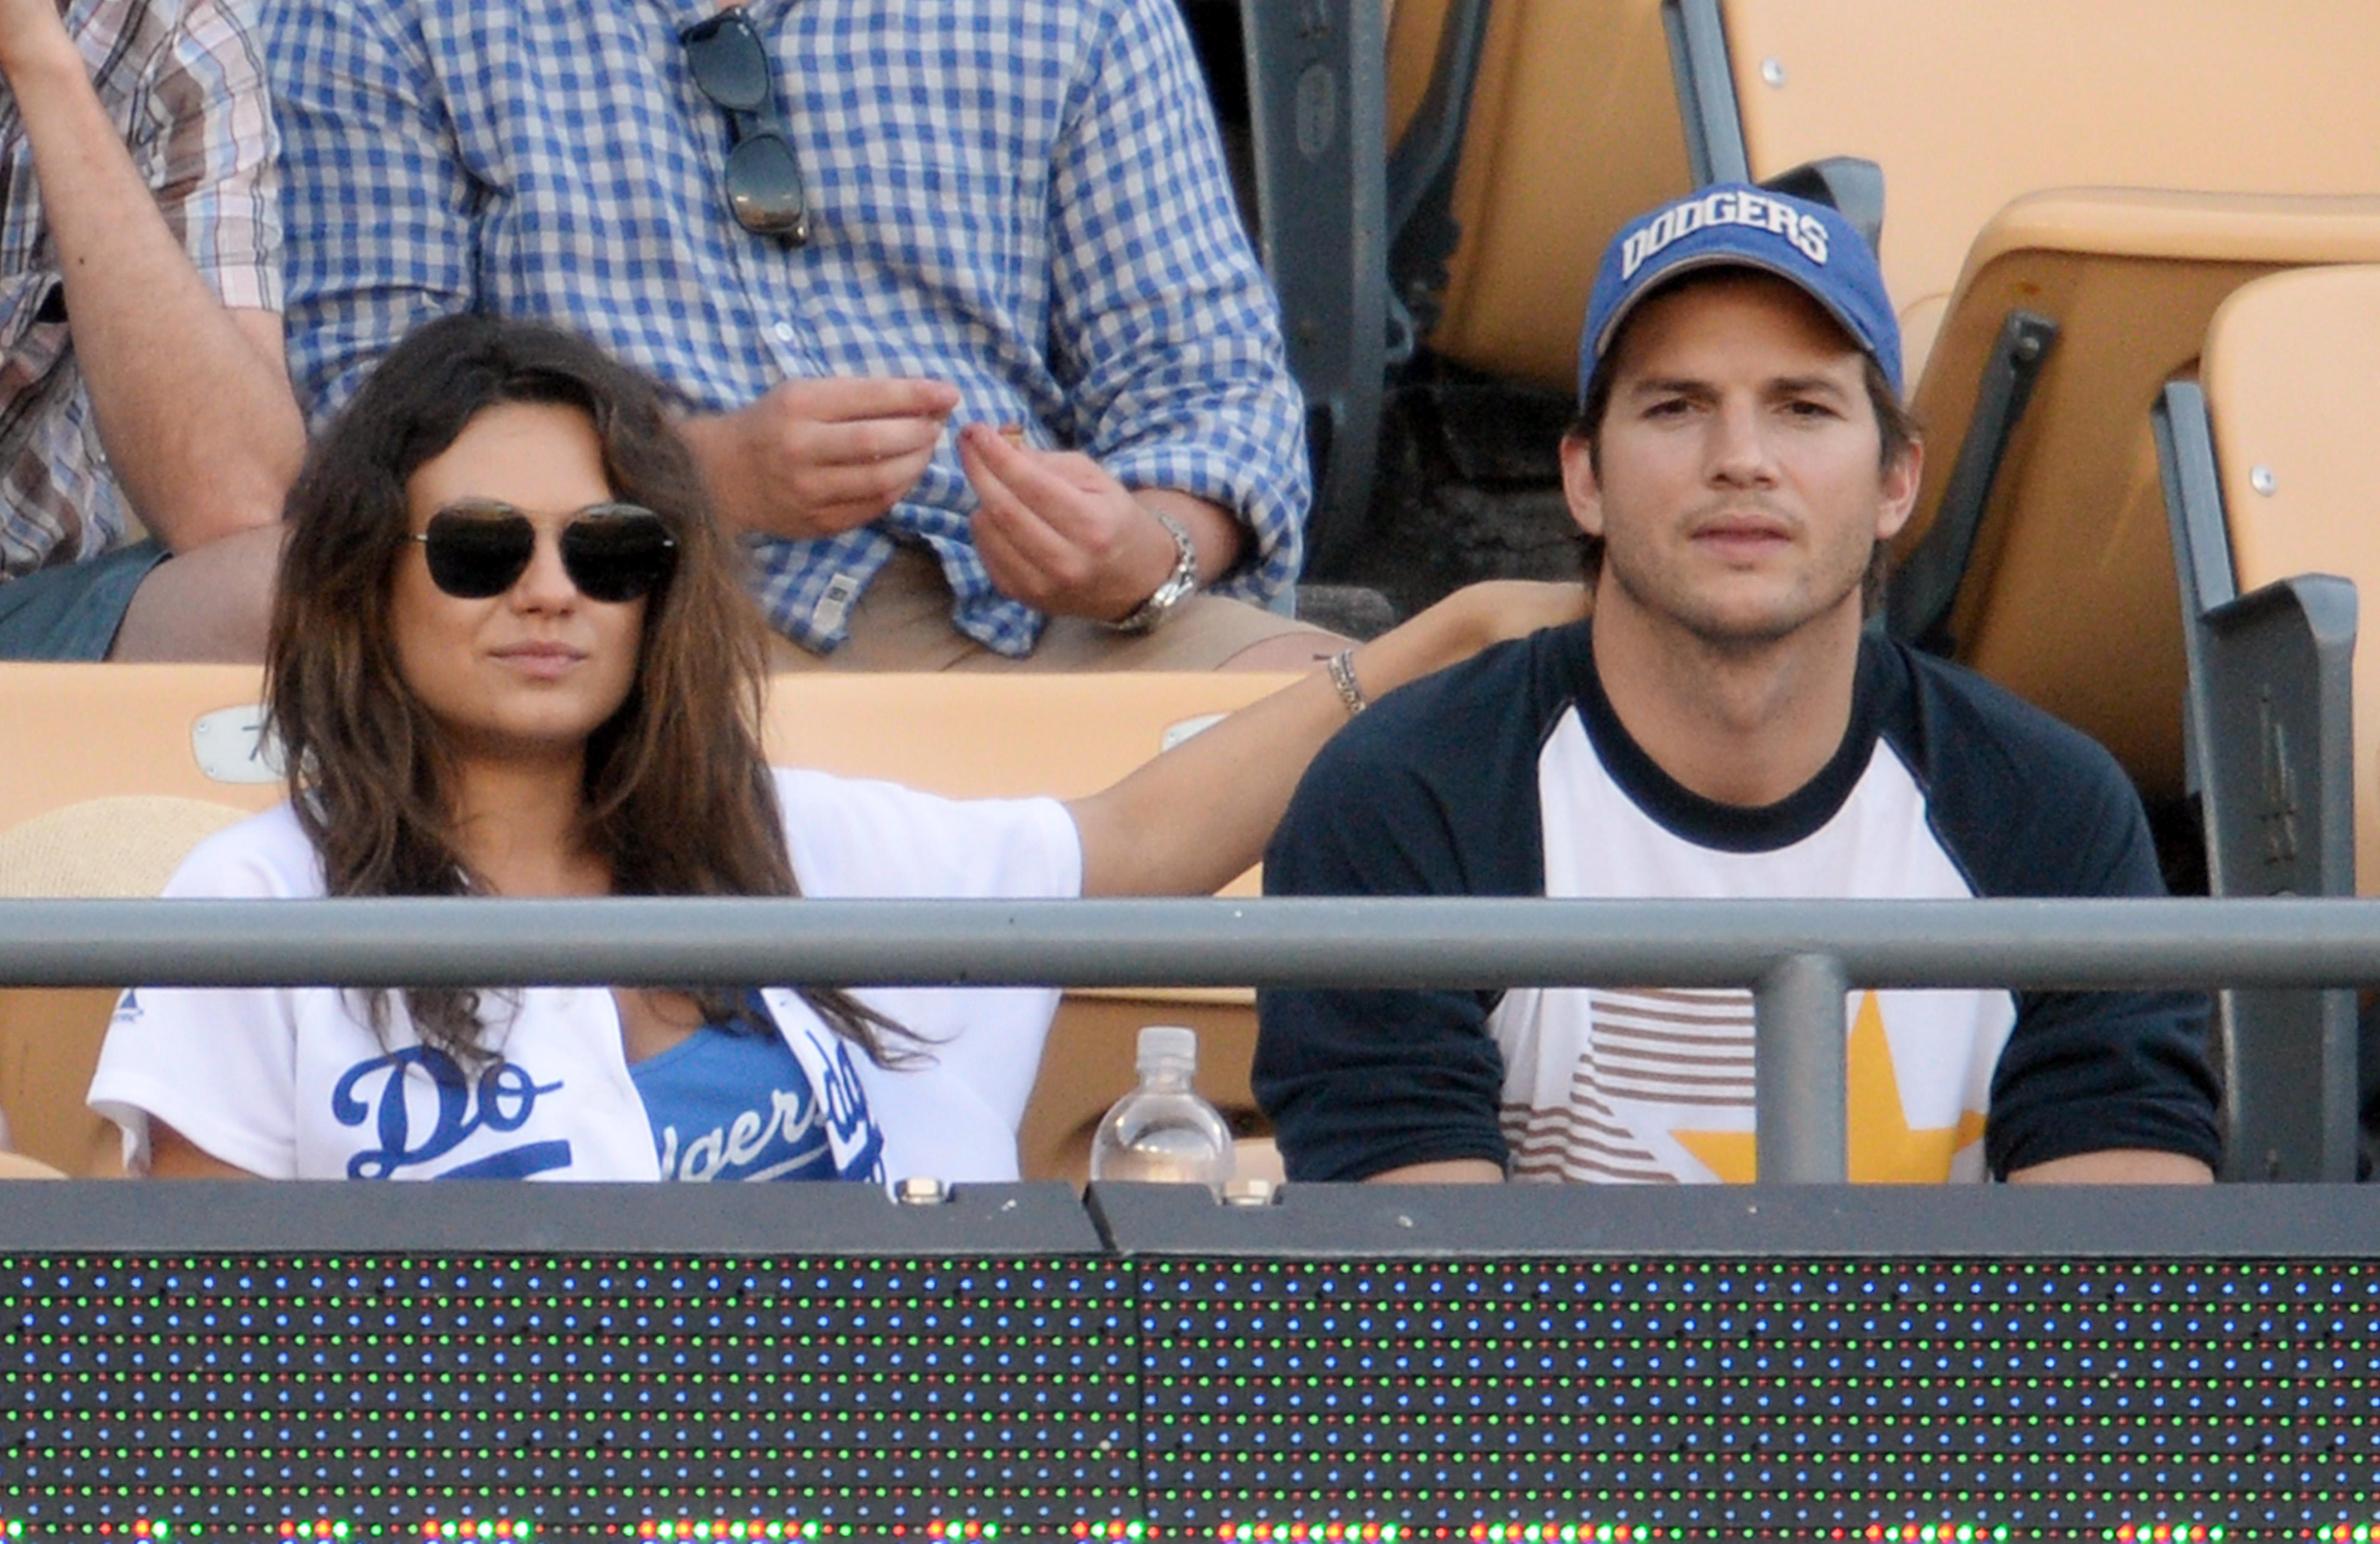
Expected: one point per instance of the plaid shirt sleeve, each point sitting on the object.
(381, 232)
(184, 84)
(1162, 326)
(212, 155)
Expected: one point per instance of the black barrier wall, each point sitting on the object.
(1522, 1363)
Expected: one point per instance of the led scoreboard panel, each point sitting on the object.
(1526, 1363)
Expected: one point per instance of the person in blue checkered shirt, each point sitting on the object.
(954, 296)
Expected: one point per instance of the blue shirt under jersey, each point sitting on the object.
(733, 1102)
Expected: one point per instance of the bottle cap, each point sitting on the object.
(1164, 1043)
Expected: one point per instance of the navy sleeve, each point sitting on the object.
(2089, 1072)
(1432, 793)
(2032, 807)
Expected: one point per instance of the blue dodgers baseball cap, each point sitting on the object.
(1733, 225)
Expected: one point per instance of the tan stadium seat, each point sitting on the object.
(1574, 129)
(2291, 377)
(135, 764)
(1969, 106)
(2067, 595)
(17, 1166)
(89, 731)
(114, 772)
(2117, 169)
(2269, 460)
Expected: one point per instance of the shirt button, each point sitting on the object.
(784, 331)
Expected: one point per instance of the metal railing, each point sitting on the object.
(1797, 958)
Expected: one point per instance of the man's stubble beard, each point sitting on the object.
(1727, 641)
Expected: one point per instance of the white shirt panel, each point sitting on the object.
(1628, 1085)
(292, 1083)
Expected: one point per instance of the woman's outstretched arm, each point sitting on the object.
(1196, 816)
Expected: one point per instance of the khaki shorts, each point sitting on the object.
(904, 623)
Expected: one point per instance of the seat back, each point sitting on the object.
(968, 735)
(15, 1165)
(2291, 375)
(1989, 215)
(1968, 106)
(114, 772)
(2067, 595)
(1574, 129)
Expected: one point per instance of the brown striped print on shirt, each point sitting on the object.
(1655, 1047)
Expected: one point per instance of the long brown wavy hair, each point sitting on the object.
(679, 798)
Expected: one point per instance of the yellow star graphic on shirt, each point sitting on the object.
(1884, 1147)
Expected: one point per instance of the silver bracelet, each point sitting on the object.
(1343, 675)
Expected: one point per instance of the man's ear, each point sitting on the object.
(1580, 488)
(1897, 494)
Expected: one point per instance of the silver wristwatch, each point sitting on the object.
(1179, 586)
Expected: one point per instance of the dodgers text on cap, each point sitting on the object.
(1724, 208)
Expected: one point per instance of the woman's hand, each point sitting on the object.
(1197, 816)
(1465, 623)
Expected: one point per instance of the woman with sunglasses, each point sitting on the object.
(511, 656)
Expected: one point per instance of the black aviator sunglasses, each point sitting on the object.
(480, 548)
(731, 66)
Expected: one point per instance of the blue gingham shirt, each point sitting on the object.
(1024, 198)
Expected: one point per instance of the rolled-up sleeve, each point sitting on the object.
(1163, 327)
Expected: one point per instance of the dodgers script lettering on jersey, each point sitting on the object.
(500, 1099)
(760, 1109)
(846, 1105)
(783, 1136)
(1723, 208)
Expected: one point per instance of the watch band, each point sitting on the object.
(1179, 586)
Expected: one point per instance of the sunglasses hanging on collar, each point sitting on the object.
(732, 66)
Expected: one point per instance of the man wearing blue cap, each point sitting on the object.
(1724, 726)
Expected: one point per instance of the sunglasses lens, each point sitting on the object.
(475, 556)
(764, 188)
(729, 63)
(617, 552)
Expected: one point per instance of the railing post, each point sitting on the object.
(1798, 1072)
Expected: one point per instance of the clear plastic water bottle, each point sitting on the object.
(1162, 1131)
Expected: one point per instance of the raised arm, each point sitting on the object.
(1199, 816)
(189, 386)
